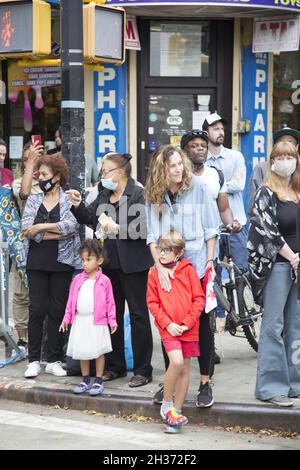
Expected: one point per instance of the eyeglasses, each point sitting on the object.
(165, 250)
(105, 172)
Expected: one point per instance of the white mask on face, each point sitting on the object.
(284, 168)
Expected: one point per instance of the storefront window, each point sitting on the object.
(179, 49)
(286, 105)
(171, 116)
(35, 98)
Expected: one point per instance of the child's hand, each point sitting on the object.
(184, 328)
(63, 327)
(113, 329)
(174, 329)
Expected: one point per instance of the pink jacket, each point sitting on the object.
(104, 303)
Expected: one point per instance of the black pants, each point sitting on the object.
(48, 294)
(132, 288)
(206, 359)
(206, 345)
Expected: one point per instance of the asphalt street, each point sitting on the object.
(32, 427)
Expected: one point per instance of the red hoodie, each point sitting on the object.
(182, 305)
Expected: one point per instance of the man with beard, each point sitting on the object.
(232, 164)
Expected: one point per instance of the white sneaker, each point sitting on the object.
(55, 368)
(33, 370)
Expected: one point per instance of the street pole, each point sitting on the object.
(72, 104)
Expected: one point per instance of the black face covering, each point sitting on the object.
(47, 185)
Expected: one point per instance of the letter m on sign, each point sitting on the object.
(132, 35)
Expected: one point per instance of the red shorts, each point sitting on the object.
(188, 348)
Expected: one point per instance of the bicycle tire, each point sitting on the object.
(243, 312)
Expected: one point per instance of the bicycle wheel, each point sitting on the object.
(250, 313)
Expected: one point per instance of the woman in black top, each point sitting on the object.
(118, 214)
(273, 262)
(51, 254)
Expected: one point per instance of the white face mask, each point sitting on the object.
(284, 168)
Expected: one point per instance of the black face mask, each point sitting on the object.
(47, 185)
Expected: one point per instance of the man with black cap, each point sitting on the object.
(285, 134)
(195, 144)
(232, 164)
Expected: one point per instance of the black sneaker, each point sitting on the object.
(205, 397)
(158, 397)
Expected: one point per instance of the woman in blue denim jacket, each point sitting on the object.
(176, 200)
(50, 256)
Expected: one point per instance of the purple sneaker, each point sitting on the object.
(96, 389)
(81, 388)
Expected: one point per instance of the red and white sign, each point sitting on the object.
(276, 35)
(132, 34)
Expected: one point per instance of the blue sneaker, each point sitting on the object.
(81, 388)
(96, 389)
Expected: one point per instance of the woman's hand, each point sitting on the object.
(74, 197)
(63, 327)
(34, 152)
(32, 232)
(113, 329)
(164, 276)
(111, 227)
(210, 265)
(294, 261)
(174, 329)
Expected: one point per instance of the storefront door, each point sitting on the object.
(185, 72)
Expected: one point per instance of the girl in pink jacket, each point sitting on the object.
(91, 311)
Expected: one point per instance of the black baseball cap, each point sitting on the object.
(286, 131)
(212, 119)
(191, 135)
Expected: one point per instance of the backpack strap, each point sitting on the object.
(221, 176)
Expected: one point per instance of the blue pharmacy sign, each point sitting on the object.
(255, 109)
(110, 110)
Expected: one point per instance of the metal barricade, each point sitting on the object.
(5, 328)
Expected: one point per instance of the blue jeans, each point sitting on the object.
(239, 253)
(238, 248)
(278, 370)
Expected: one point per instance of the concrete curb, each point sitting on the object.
(221, 414)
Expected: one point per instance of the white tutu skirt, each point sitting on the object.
(88, 341)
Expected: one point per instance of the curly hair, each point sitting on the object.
(57, 165)
(158, 176)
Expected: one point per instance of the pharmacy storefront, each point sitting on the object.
(238, 57)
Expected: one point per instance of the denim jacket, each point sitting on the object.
(194, 215)
(67, 249)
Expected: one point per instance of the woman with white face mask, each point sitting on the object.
(118, 215)
(273, 264)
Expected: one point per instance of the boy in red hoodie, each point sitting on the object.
(176, 316)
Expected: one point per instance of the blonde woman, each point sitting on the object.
(177, 200)
(273, 263)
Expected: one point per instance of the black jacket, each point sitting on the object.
(134, 254)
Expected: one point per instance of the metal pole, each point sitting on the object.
(72, 105)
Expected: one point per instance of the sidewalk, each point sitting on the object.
(233, 390)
